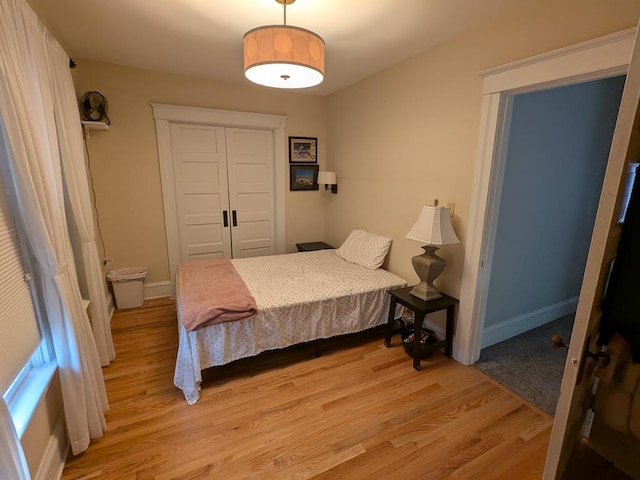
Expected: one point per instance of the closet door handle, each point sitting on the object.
(225, 218)
(235, 218)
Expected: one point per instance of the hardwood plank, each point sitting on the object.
(357, 411)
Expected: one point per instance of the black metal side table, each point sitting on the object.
(312, 246)
(421, 308)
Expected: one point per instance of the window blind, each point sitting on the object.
(19, 332)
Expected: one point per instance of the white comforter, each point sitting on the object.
(300, 297)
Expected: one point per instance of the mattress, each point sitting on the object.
(300, 297)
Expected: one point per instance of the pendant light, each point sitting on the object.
(282, 56)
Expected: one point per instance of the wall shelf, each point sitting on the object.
(95, 125)
(89, 125)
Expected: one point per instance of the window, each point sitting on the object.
(24, 372)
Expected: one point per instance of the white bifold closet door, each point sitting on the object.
(224, 190)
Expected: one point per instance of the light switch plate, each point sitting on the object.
(451, 207)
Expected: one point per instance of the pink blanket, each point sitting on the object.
(211, 291)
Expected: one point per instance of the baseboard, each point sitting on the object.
(525, 322)
(157, 289)
(55, 455)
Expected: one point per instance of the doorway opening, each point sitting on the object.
(600, 58)
(553, 160)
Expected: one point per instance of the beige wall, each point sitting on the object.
(408, 135)
(124, 160)
(397, 140)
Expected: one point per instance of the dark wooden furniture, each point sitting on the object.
(421, 308)
(312, 246)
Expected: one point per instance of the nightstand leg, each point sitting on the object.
(392, 314)
(417, 335)
(449, 332)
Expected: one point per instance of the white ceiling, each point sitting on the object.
(203, 38)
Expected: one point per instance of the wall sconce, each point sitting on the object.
(328, 178)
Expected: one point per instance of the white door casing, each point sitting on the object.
(165, 115)
(596, 59)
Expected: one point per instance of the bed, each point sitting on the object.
(300, 297)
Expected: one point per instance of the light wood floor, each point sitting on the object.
(358, 411)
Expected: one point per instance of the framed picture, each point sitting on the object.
(303, 150)
(303, 177)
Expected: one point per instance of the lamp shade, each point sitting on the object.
(327, 178)
(283, 57)
(433, 227)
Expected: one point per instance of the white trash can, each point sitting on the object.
(128, 286)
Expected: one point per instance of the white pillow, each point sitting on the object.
(364, 248)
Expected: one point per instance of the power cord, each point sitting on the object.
(95, 202)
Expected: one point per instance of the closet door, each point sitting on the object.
(202, 196)
(251, 191)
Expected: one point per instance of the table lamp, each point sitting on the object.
(433, 228)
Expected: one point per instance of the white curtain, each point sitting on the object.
(33, 168)
(12, 462)
(75, 177)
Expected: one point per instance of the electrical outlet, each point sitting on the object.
(451, 207)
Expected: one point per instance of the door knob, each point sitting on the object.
(602, 359)
(557, 342)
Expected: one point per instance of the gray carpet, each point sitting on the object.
(528, 366)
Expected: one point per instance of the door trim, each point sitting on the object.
(602, 57)
(165, 114)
